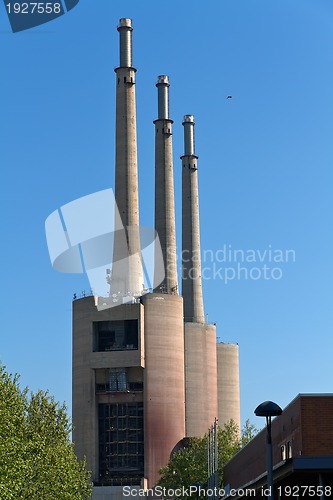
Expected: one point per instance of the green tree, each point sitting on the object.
(249, 430)
(37, 460)
(188, 466)
(228, 443)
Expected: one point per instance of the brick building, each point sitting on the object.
(302, 440)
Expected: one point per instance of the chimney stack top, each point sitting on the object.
(188, 119)
(125, 22)
(163, 79)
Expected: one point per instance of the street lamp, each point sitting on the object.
(269, 409)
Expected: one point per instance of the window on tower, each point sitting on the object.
(115, 335)
(118, 379)
(128, 379)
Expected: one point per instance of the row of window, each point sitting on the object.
(120, 410)
(131, 386)
(286, 451)
(127, 80)
(164, 131)
(121, 479)
(118, 382)
(120, 435)
(122, 449)
(117, 426)
(121, 441)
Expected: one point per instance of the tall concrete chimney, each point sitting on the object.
(164, 189)
(127, 275)
(191, 258)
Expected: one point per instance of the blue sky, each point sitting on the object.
(265, 171)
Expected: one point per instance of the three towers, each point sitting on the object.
(146, 373)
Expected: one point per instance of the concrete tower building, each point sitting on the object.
(148, 372)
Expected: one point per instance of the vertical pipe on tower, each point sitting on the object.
(188, 135)
(125, 47)
(163, 97)
(191, 257)
(164, 190)
(127, 275)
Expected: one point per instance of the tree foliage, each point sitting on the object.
(249, 430)
(37, 460)
(188, 466)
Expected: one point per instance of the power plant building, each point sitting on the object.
(148, 372)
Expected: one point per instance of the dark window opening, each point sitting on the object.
(283, 452)
(121, 449)
(116, 335)
(119, 380)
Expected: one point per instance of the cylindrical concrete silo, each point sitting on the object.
(228, 383)
(200, 377)
(211, 374)
(164, 395)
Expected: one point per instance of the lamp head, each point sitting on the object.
(268, 409)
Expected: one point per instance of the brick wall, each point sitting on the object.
(317, 425)
(306, 423)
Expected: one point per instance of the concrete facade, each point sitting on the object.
(111, 492)
(164, 384)
(200, 377)
(228, 383)
(87, 365)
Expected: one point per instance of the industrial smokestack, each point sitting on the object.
(191, 258)
(127, 275)
(164, 189)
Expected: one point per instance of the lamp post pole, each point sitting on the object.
(269, 409)
(269, 458)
